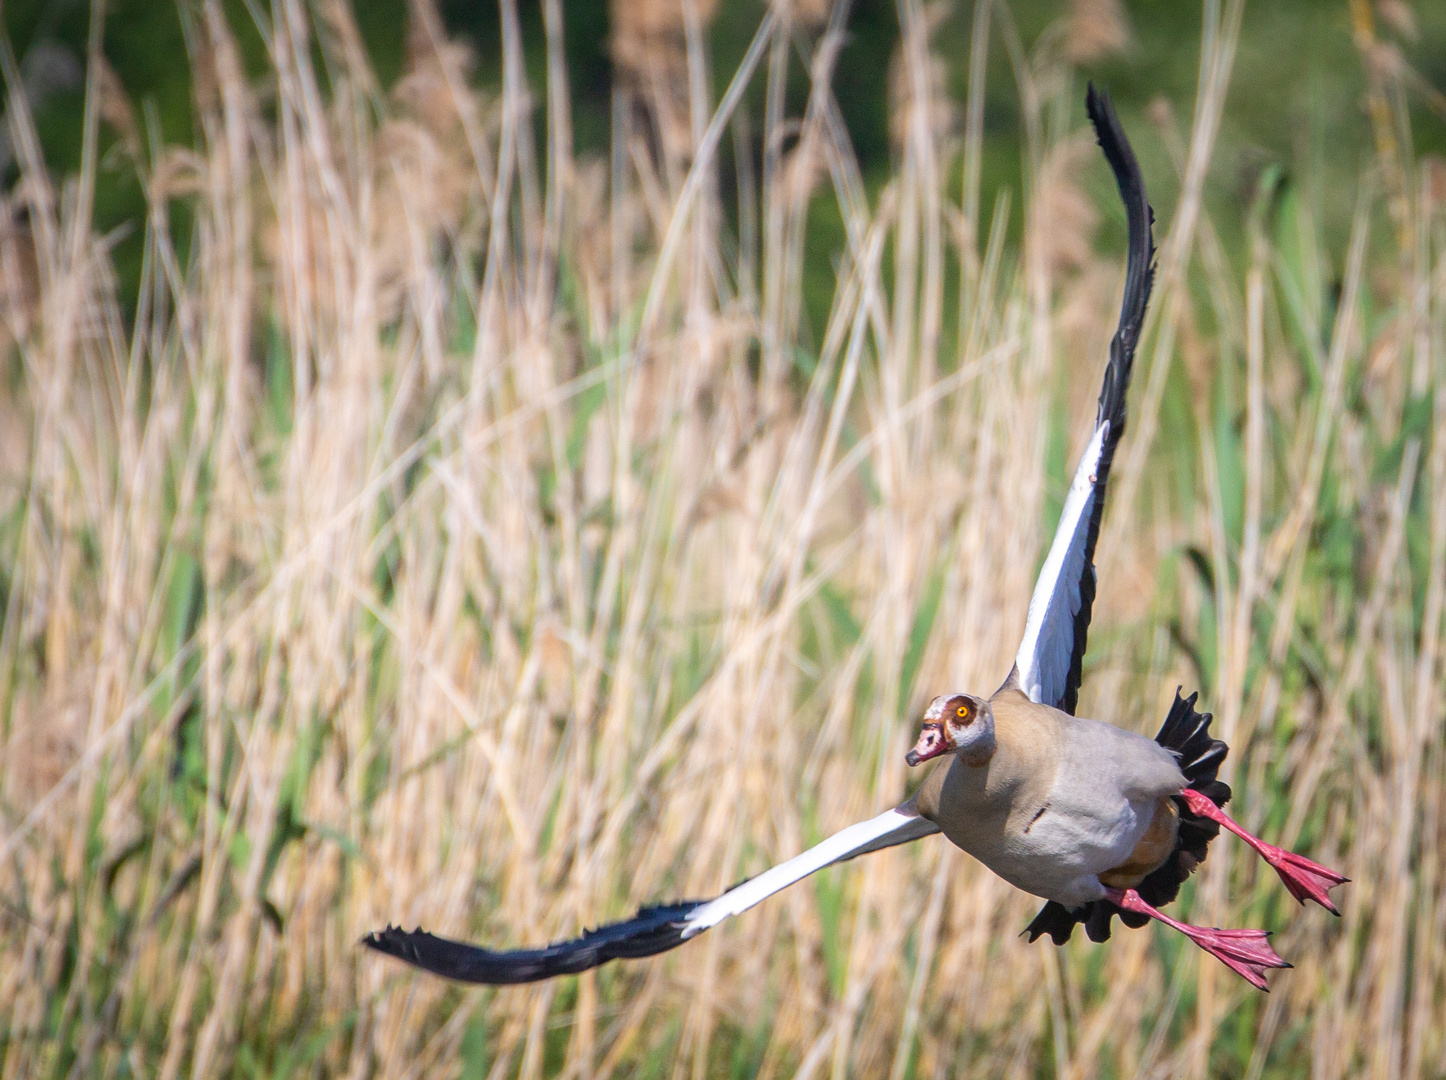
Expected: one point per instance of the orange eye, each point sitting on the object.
(963, 710)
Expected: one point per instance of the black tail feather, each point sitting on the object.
(1053, 919)
(1200, 760)
(1188, 734)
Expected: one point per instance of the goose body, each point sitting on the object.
(1063, 801)
(1096, 820)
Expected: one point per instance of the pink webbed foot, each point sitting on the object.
(1246, 952)
(1305, 880)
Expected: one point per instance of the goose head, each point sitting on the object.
(956, 723)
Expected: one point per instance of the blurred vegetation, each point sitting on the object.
(1294, 105)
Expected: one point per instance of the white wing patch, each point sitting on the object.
(855, 840)
(1048, 646)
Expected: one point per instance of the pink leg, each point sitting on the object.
(1245, 952)
(1306, 880)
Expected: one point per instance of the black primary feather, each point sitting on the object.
(1139, 276)
(1187, 733)
(653, 930)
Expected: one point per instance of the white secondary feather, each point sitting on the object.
(1044, 654)
(855, 840)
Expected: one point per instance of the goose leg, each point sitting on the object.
(1306, 880)
(1245, 952)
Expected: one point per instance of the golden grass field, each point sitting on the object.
(462, 531)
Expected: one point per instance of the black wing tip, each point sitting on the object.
(373, 939)
(1110, 135)
(391, 940)
(1098, 105)
(402, 943)
(1140, 264)
(652, 930)
(437, 955)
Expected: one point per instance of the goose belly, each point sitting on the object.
(1060, 854)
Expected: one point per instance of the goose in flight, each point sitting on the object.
(1096, 820)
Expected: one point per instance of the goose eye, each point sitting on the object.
(963, 712)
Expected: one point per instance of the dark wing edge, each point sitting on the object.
(1187, 733)
(652, 930)
(1109, 421)
(1139, 263)
(1139, 277)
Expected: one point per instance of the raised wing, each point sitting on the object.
(1051, 655)
(652, 930)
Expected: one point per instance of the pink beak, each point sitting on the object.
(930, 745)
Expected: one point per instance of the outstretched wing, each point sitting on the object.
(652, 930)
(1049, 662)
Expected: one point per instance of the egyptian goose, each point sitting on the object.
(1095, 819)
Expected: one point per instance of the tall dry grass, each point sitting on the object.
(460, 534)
